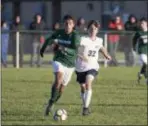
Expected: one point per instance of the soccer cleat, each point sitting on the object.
(139, 77)
(85, 111)
(48, 109)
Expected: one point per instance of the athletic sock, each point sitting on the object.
(83, 98)
(58, 97)
(54, 95)
(88, 95)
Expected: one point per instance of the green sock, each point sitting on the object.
(58, 97)
(54, 95)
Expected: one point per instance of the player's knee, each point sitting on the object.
(62, 88)
(58, 80)
(83, 88)
(88, 86)
(57, 84)
(89, 81)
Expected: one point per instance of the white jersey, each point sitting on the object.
(89, 50)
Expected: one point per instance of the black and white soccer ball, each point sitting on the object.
(60, 115)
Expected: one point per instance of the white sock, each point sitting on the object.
(88, 95)
(83, 98)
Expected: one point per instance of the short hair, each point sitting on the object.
(143, 19)
(93, 22)
(68, 17)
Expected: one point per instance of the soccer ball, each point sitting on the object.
(60, 114)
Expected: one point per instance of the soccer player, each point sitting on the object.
(64, 43)
(140, 44)
(87, 62)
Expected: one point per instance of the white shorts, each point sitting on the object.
(67, 72)
(143, 58)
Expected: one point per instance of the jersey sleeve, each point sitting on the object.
(49, 40)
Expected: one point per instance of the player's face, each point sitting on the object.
(133, 20)
(17, 19)
(69, 25)
(39, 18)
(118, 19)
(93, 30)
(143, 25)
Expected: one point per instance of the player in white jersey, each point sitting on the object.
(87, 62)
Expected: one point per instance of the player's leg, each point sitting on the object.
(81, 77)
(141, 73)
(146, 66)
(55, 90)
(66, 78)
(143, 59)
(88, 94)
(83, 90)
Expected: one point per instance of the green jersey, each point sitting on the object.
(69, 41)
(140, 42)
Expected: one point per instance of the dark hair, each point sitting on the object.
(68, 17)
(132, 16)
(93, 22)
(143, 19)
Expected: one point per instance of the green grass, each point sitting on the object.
(47, 57)
(117, 98)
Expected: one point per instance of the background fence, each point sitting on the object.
(24, 46)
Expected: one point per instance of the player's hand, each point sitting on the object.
(62, 48)
(109, 57)
(42, 53)
(55, 41)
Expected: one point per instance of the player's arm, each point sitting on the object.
(50, 40)
(105, 53)
(135, 40)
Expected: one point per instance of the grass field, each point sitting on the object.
(117, 98)
(49, 56)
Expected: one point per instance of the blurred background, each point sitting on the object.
(29, 22)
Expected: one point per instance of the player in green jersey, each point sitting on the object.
(64, 43)
(140, 44)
